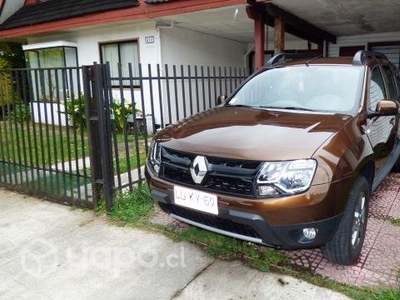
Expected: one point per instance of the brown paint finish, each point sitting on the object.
(270, 135)
(345, 144)
(385, 107)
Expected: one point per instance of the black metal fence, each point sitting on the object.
(41, 151)
(79, 134)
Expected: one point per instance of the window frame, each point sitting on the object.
(383, 88)
(391, 79)
(372, 45)
(117, 83)
(50, 76)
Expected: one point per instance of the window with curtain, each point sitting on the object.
(121, 55)
(53, 72)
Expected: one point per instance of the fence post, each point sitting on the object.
(96, 94)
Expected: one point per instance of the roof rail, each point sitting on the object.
(362, 56)
(284, 56)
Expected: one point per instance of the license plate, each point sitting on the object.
(196, 200)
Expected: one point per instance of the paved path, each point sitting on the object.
(49, 251)
(379, 263)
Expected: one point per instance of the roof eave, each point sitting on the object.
(141, 12)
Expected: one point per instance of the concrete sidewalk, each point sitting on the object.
(48, 251)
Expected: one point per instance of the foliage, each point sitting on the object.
(386, 294)
(7, 95)
(134, 206)
(219, 246)
(121, 113)
(395, 222)
(20, 113)
(75, 108)
(13, 54)
(38, 144)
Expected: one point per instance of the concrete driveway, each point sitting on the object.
(49, 251)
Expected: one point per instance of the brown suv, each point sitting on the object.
(290, 159)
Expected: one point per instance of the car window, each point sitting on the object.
(397, 79)
(390, 82)
(318, 88)
(377, 89)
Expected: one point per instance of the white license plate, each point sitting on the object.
(196, 200)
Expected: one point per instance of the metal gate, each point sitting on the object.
(41, 151)
(77, 135)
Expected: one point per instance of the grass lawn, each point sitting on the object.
(39, 144)
(136, 208)
(31, 144)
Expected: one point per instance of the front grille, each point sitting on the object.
(211, 220)
(229, 176)
(230, 185)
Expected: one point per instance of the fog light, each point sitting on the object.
(267, 190)
(310, 233)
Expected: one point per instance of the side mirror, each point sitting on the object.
(221, 99)
(385, 107)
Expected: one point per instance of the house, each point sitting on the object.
(208, 32)
(72, 33)
(234, 33)
(118, 31)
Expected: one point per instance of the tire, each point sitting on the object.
(345, 246)
(396, 167)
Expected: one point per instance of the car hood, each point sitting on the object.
(252, 134)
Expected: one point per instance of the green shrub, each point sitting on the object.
(133, 206)
(119, 113)
(7, 94)
(11, 56)
(20, 113)
(76, 110)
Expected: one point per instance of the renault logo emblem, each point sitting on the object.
(198, 169)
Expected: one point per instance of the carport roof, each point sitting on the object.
(59, 10)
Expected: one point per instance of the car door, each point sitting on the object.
(393, 83)
(382, 130)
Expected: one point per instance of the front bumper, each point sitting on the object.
(250, 226)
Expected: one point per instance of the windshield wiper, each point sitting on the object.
(297, 108)
(238, 105)
(287, 107)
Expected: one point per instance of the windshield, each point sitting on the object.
(318, 88)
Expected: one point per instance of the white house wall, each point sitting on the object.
(88, 41)
(185, 47)
(162, 46)
(362, 40)
(182, 46)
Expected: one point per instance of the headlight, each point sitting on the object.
(155, 156)
(285, 177)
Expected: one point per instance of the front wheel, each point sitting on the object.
(345, 246)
